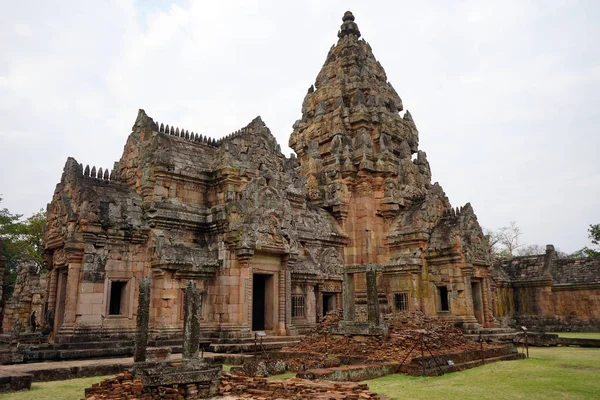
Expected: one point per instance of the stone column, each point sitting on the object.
(470, 322)
(72, 294)
(372, 298)
(52, 284)
(291, 329)
(243, 262)
(486, 294)
(282, 301)
(143, 317)
(191, 321)
(348, 297)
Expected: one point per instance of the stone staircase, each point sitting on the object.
(123, 347)
(502, 335)
(269, 343)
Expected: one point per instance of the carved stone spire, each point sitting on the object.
(348, 27)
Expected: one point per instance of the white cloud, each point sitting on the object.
(505, 93)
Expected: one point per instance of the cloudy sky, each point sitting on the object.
(506, 94)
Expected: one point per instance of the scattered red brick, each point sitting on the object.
(406, 332)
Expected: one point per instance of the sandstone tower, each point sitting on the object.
(266, 238)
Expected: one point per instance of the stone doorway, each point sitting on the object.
(328, 302)
(262, 302)
(477, 301)
(61, 295)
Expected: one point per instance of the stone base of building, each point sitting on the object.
(469, 323)
(79, 334)
(360, 329)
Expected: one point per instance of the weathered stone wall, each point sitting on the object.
(30, 294)
(549, 293)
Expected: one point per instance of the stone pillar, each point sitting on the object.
(52, 284)
(291, 329)
(72, 294)
(488, 313)
(348, 297)
(282, 301)
(243, 262)
(372, 298)
(470, 322)
(143, 317)
(191, 321)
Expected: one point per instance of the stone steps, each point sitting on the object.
(94, 345)
(489, 331)
(250, 347)
(494, 337)
(65, 354)
(125, 347)
(265, 339)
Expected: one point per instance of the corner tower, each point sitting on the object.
(361, 160)
(359, 155)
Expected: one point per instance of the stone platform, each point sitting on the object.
(123, 347)
(61, 370)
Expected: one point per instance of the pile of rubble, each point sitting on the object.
(262, 388)
(126, 386)
(260, 367)
(408, 331)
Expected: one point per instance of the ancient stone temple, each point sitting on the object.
(267, 239)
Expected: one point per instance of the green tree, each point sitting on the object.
(594, 236)
(22, 241)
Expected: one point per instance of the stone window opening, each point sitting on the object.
(401, 301)
(443, 298)
(117, 303)
(298, 306)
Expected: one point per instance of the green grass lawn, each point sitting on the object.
(577, 335)
(550, 373)
(562, 373)
(58, 390)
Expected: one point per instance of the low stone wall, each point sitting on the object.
(351, 373)
(460, 361)
(295, 388)
(127, 386)
(558, 324)
(15, 381)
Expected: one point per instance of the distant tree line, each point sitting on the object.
(22, 240)
(506, 242)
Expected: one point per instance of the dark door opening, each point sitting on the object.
(328, 302)
(444, 305)
(117, 295)
(258, 301)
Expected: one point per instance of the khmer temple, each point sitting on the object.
(270, 240)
